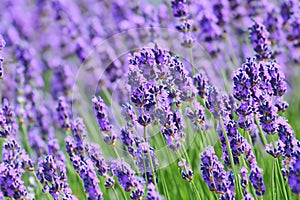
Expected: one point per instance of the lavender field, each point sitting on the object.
(150, 100)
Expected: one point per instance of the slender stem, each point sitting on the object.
(149, 158)
(192, 61)
(261, 133)
(115, 192)
(281, 180)
(195, 189)
(272, 180)
(165, 187)
(117, 154)
(25, 140)
(231, 160)
(40, 186)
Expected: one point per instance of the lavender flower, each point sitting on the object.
(201, 83)
(248, 197)
(256, 179)
(2, 45)
(276, 150)
(287, 9)
(286, 136)
(7, 119)
(129, 115)
(14, 162)
(94, 153)
(145, 158)
(293, 177)
(16, 157)
(197, 116)
(90, 180)
(267, 116)
(53, 177)
(85, 169)
(63, 113)
(125, 174)
(109, 136)
(260, 41)
(14, 186)
(138, 193)
(78, 129)
(213, 172)
(186, 172)
(152, 193)
(180, 10)
(128, 138)
(244, 179)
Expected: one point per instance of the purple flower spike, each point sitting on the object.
(63, 113)
(179, 8)
(259, 37)
(248, 197)
(197, 116)
(142, 159)
(288, 9)
(78, 129)
(53, 177)
(2, 42)
(85, 169)
(110, 182)
(186, 172)
(15, 156)
(201, 83)
(7, 122)
(129, 115)
(90, 180)
(95, 154)
(277, 150)
(138, 193)
(286, 135)
(213, 172)
(125, 174)
(128, 138)
(108, 134)
(244, 179)
(2, 45)
(14, 187)
(256, 179)
(152, 193)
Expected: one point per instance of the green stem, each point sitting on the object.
(40, 187)
(165, 187)
(192, 61)
(115, 192)
(25, 140)
(231, 161)
(117, 154)
(261, 133)
(149, 158)
(281, 179)
(195, 190)
(272, 180)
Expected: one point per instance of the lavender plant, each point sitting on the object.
(149, 100)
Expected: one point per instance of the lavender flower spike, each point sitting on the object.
(125, 174)
(63, 113)
(2, 45)
(213, 172)
(109, 136)
(186, 172)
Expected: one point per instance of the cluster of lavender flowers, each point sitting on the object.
(46, 43)
(180, 10)
(15, 160)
